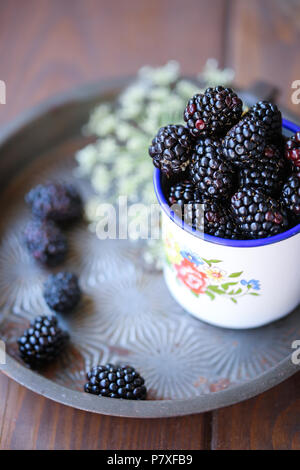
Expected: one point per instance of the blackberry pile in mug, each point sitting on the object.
(229, 173)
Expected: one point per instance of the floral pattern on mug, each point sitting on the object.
(216, 274)
(204, 276)
(252, 284)
(172, 251)
(195, 280)
(192, 257)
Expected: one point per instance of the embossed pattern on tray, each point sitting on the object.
(127, 313)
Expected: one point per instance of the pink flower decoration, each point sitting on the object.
(191, 277)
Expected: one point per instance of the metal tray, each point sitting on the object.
(126, 313)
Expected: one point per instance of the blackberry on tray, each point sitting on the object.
(116, 382)
(55, 201)
(46, 242)
(214, 112)
(62, 292)
(42, 342)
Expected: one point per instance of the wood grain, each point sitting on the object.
(49, 46)
(4, 386)
(68, 42)
(263, 40)
(32, 422)
(270, 421)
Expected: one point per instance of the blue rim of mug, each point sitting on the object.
(157, 181)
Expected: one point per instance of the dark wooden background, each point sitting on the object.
(49, 46)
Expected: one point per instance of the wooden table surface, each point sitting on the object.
(48, 46)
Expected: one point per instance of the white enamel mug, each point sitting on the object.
(230, 283)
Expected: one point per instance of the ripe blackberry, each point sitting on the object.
(116, 382)
(214, 112)
(269, 115)
(181, 193)
(244, 143)
(171, 149)
(55, 201)
(209, 147)
(291, 194)
(258, 215)
(292, 150)
(266, 174)
(46, 242)
(211, 175)
(210, 217)
(62, 292)
(42, 342)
